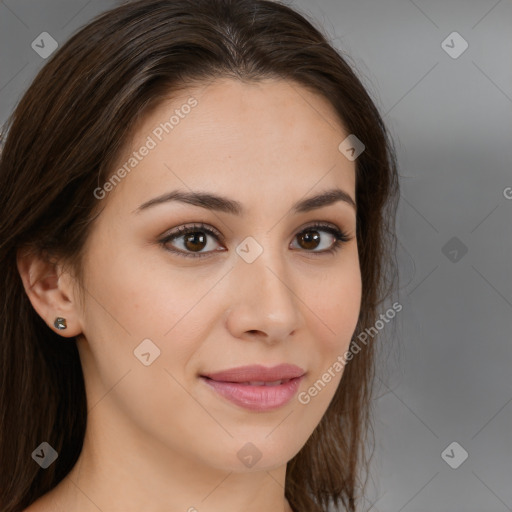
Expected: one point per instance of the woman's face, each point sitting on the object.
(261, 290)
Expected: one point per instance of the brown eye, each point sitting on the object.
(312, 237)
(193, 240)
(309, 239)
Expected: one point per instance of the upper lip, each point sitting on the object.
(258, 373)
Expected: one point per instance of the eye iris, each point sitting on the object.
(193, 238)
(308, 239)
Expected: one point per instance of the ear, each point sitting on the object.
(50, 290)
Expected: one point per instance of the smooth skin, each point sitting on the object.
(158, 438)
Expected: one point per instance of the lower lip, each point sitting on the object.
(256, 398)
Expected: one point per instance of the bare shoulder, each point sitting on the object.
(40, 505)
(63, 498)
(45, 503)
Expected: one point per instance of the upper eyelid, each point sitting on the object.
(180, 230)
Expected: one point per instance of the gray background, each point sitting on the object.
(450, 379)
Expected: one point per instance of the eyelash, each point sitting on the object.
(340, 238)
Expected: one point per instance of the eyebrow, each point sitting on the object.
(218, 203)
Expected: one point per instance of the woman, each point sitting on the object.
(198, 202)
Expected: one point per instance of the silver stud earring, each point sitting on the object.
(60, 323)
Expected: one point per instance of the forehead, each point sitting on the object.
(272, 137)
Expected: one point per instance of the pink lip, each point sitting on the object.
(256, 398)
(230, 385)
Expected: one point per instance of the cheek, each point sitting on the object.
(335, 309)
(337, 305)
(136, 293)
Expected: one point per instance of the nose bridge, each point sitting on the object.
(267, 290)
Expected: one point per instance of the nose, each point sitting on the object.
(265, 305)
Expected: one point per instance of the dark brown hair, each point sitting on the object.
(63, 140)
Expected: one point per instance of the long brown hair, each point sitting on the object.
(63, 140)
